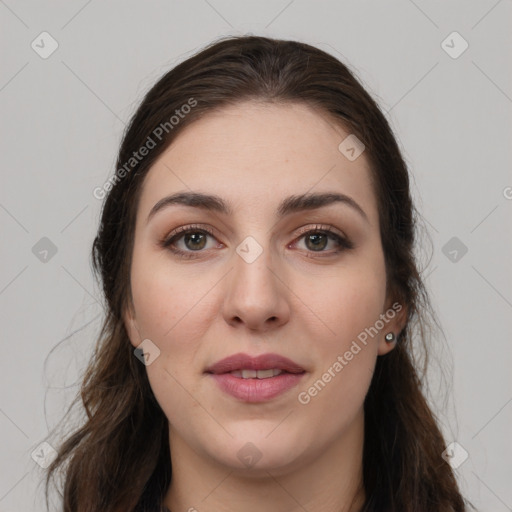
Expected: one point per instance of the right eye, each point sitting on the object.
(194, 239)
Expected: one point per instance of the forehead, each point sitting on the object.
(253, 154)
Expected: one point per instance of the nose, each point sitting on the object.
(256, 295)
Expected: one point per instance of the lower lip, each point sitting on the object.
(256, 390)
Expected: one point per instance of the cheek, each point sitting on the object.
(345, 304)
(349, 304)
(346, 354)
(170, 313)
(173, 310)
(164, 298)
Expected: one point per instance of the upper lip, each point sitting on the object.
(242, 361)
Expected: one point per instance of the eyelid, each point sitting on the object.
(321, 227)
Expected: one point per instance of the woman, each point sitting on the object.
(256, 255)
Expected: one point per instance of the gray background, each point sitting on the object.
(62, 121)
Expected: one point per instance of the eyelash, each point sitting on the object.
(170, 240)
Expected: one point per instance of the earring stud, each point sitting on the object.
(390, 337)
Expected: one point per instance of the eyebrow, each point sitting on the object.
(291, 204)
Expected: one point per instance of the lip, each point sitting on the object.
(243, 361)
(255, 390)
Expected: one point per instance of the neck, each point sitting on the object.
(331, 480)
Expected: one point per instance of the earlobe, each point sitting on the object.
(387, 343)
(389, 335)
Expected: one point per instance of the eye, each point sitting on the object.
(194, 239)
(316, 240)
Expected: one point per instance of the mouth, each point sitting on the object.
(256, 379)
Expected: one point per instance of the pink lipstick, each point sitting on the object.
(256, 379)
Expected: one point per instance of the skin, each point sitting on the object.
(290, 300)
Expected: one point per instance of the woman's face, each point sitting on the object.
(260, 284)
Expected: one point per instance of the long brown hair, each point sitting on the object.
(118, 460)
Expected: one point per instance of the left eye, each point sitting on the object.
(317, 241)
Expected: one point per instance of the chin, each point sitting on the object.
(254, 452)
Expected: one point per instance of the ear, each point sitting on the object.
(395, 319)
(131, 326)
